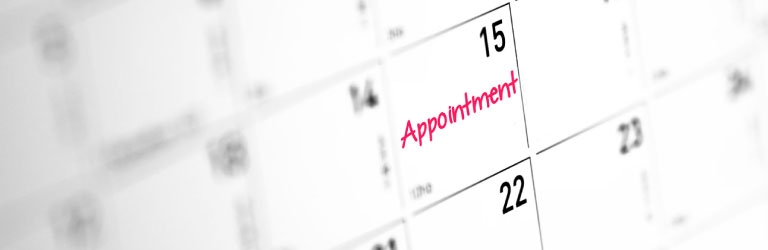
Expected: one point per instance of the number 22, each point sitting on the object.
(519, 202)
(624, 130)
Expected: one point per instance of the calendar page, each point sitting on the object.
(384, 124)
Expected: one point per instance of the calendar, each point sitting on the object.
(384, 125)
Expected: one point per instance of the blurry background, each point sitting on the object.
(236, 124)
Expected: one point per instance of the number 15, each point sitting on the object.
(496, 34)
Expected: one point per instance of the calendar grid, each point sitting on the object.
(536, 202)
(360, 238)
(591, 126)
(443, 199)
(519, 75)
(418, 42)
(408, 215)
(105, 176)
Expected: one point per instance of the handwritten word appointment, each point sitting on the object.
(496, 94)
